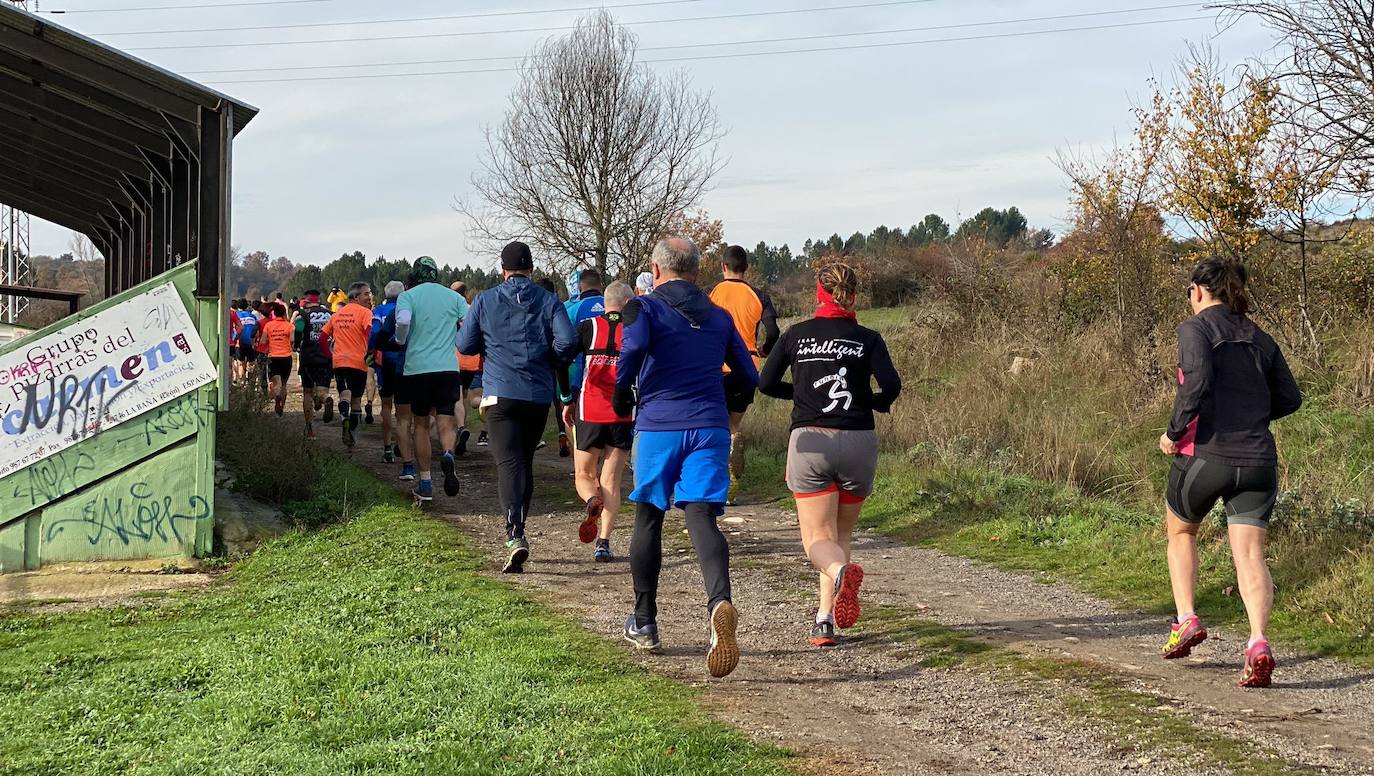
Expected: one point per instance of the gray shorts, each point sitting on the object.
(826, 459)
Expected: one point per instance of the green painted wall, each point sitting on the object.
(141, 489)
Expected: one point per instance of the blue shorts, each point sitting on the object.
(673, 468)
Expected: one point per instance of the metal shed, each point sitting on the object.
(107, 418)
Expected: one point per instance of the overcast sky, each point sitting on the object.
(819, 141)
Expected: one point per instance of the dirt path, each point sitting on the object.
(870, 705)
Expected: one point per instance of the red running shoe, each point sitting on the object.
(847, 595)
(586, 533)
(1259, 666)
(1183, 636)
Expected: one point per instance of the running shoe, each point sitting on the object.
(424, 490)
(463, 435)
(387, 455)
(731, 499)
(407, 471)
(645, 638)
(318, 403)
(280, 405)
(367, 412)
(542, 444)
(328, 409)
(1259, 666)
(482, 438)
(1183, 636)
(724, 653)
(309, 432)
(564, 446)
(519, 550)
(602, 553)
(586, 533)
(347, 431)
(823, 634)
(450, 476)
(847, 584)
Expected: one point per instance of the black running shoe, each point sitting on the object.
(328, 409)
(519, 550)
(450, 475)
(367, 412)
(645, 638)
(387, 455)
(482, 438)
(463, 435)
(823, 634)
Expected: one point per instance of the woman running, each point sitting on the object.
(1233, 381)
(832, 455)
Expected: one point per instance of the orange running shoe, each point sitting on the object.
(586, 533)
(847, 595)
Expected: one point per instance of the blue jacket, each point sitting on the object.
(381, 335)
(674, 345)
(523, 333)
(589, 305)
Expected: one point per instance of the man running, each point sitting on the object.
(246, 356)
(427, 316)
(523, 335)
(603, 438)
(348, 332)
(750, 308)
(674, 345)
(315, 367)
(589, 303)
(385, 364)
(275, 335)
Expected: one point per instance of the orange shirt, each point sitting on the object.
(745, 307)
(278, 333)
(350, 329)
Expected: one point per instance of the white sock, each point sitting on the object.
(1252, 642)
(1183, 617)
(827, 617)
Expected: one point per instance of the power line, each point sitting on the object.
(736, 55)
(243, 4)
(564, 28)
(484, 15)
(931, 28)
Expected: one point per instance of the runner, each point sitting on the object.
(644, 284)
(426, 318)
(468, 367)
(246, 356)
(393, 363)
(750, 308)
(275, 337)
(589, 304)
(315, 367)
(384, 365)
(523, 335)
(1233, 381)
(564, 446)
(603, 437)
(345, 341)
(261, 310)
(235, 331)
(475, 403)
(674, 345)
(832, 454)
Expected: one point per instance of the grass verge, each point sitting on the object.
(1140, 722)
(371, 646)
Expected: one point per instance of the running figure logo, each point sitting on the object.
(839, 390)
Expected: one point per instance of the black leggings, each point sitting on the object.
(646, 557)
(515, 428)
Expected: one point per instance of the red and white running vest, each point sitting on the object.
(598, 375)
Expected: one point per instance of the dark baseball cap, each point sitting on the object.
(516, 257)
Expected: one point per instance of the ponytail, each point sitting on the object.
(841, 282)
(1225, 280)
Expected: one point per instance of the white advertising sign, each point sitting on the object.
(97, 373)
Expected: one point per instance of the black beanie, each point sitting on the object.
(516, 257)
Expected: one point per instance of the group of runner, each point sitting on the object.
(665, 372)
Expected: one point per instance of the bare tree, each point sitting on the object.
(597, 153)
(1327, 70)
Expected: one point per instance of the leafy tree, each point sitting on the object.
(932, 229)
(998, 227)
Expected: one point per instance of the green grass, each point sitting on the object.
(371, 646)
(1137, 720)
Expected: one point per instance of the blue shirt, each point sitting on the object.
(383, 329)
(589, 305)
(523, 334)
(432, 313)
(674, 345)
